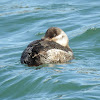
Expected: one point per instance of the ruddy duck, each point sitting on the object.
(52, 48)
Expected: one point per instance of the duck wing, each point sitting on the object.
(38, 49)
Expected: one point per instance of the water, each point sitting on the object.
(23, 21)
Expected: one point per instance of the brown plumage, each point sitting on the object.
(48, 49)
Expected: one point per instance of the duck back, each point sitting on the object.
(43, 51)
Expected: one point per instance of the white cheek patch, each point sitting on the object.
(62, 39)
(59, 36)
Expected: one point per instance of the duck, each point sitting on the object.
(53, 48)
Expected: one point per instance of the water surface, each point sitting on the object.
(24, 21)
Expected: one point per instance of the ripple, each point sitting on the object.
(23, 22)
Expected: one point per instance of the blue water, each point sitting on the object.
(23, 21)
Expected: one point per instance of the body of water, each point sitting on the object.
(23, 21)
